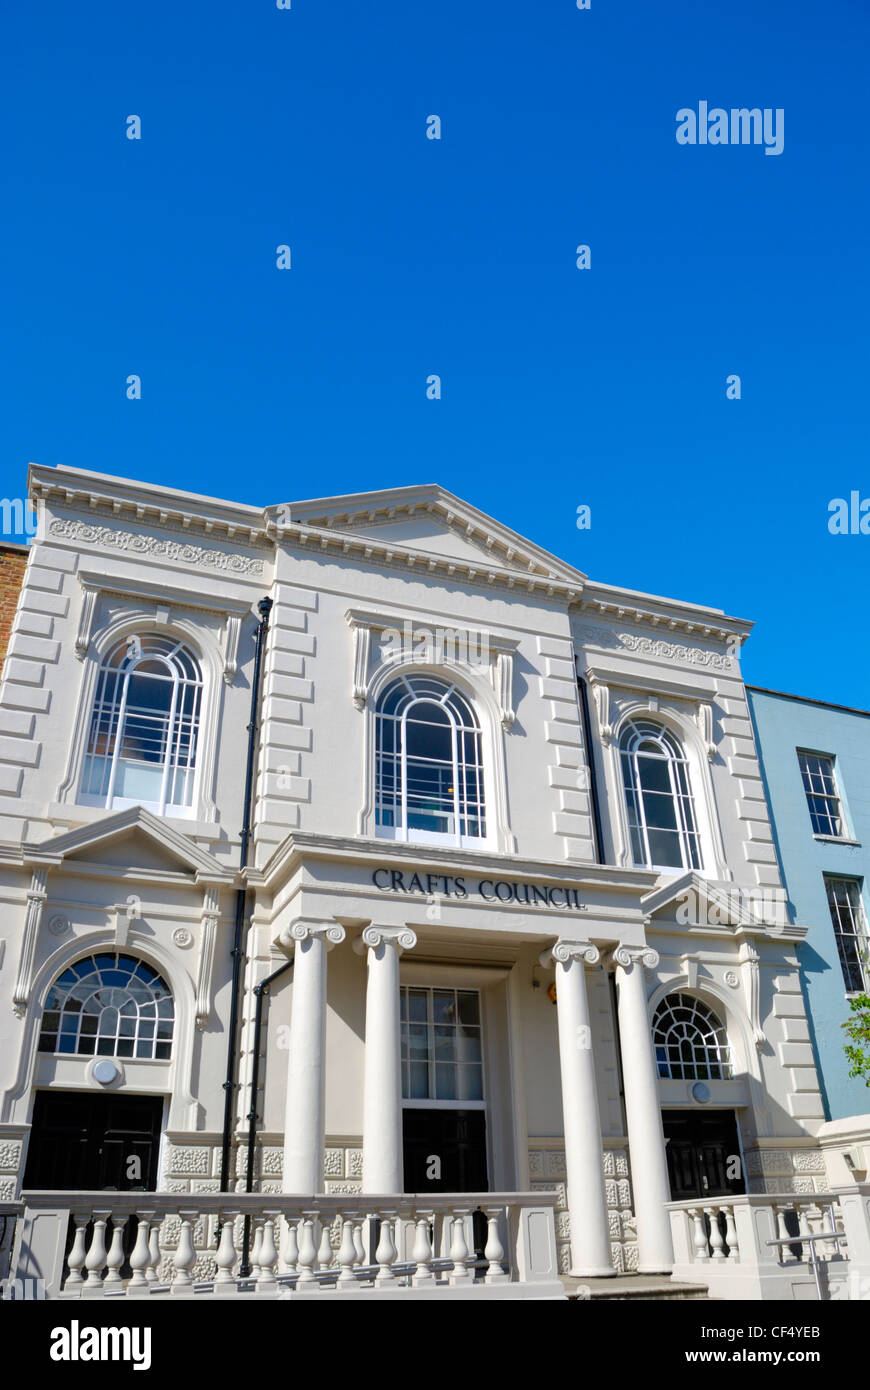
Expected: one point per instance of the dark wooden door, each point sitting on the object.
(445, 1150)
(90, 1141)
(703, 1149)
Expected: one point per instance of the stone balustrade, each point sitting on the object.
(758, 1245)
(149, 1244)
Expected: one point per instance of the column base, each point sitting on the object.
(662, 1268)
(593, 1272)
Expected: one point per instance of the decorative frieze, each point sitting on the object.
(83, 533)
(656, 647)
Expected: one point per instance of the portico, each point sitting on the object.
(480, 960)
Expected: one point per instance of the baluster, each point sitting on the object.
(290, 1246)
(386, 1251)
(115, 1257)
(494, 1250)
(96, 1258)
(76, 1257)
(699, 1234)
(835, 1225)
(716, 1241)
(256, 1243)
(226, 1253)
(803, 1231)
(347, 1250)
(141, 1256)
(185, 1255)
(324, 1249)
(152, 1273)
(421, 1252)
(358, 1243)
(307, 1252)
(458, 1248)
(785, 1253)
(731, 1234)
(266, 1282)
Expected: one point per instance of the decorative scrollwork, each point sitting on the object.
(565, 951)
(401, 937)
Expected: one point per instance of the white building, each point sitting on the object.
(536, 926)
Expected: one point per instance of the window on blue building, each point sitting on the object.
(823, 799)
(850, 931)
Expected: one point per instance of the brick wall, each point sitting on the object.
(13, 560)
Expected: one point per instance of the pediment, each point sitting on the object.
(131, 850)
(432, 521)
(130, 839)
(694, 901)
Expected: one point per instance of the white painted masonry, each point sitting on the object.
(569, 1091)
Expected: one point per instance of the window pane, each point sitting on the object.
(445, 1081)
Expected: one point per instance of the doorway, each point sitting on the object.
(444, 1150)
(704, 1158)
(90, 1142)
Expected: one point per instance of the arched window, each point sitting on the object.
(690, 1042)
(144, 725)
(108, 1005)
(429, 767)
(658, 796)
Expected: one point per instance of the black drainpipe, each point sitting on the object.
(264, 607)
(261, 990)
(593, 779)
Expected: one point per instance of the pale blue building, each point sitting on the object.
(815, 758)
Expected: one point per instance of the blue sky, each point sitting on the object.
(412, 256)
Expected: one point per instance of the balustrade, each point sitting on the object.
(145, 1245)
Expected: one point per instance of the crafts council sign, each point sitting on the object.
(491, 890)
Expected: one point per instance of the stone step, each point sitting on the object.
(631, 1286)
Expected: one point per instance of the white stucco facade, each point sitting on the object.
(366, 589)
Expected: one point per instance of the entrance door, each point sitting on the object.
(702, 1146)
(90, 1141)
(445, 1150)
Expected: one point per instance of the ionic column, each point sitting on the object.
(587, 1205)
(646, 1141)
(382, 1102)
(304, 1114)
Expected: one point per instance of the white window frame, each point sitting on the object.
(711, 1039)
(858, 922)
(117, 713)
(401, 831)
(410, 1103)
(838, 817)
(673, 753)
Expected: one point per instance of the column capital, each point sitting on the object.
(566, 950)
(401, 938)
(627, 956)
(307, 928)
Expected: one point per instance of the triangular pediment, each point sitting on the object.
(691, 901)
(131, 839)
(429, 520)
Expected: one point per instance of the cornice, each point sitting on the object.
(395, 555)
(119, 500)
(307, 844)
(663, 617)
(491, 536)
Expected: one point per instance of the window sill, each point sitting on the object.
(837, 840)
